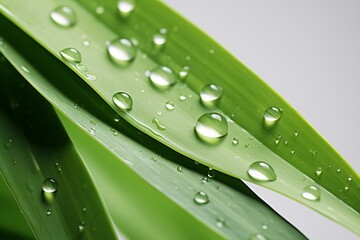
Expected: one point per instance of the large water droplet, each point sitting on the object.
(125, 7)
(261, 171)
(311, 193)
(257, 236)
(211, 127)
(210, 95)
(272, 115)
(50, 185)
(162, 77)
(123, 100)
(121, 51)
(201, 198)
(71, 55)
(63, 16)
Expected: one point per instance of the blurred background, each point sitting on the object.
(309, 52)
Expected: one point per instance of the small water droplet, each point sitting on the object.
(201, 198)
(180, 169)
(86, 43)
(211, 173)
(235, 141)
(169, 105)
(286, 143)
(81, 68)
(63, 16)
(162, 77)
(123, 100)
(318, 171)
(211, 51)
(220, 222)
(184, 72)
(91, 77)
(311, 193)
(76, 106)
(292, 151)
(50, 185)
(204, 180)
(182, 97)
(121, 51)
(261, 171)
(92, 131)
(338, 170)
(100, 10)
(84, 209)
(264, 226)
(9, 143)
(257, 236)
(114, 132)
(211, 127)
(278, 139)
(48, 212)
(158, 124)
(314, 153)
(296, 133)
(116, 118)
(71, 55)
(81, 228)
(246, 145)
(210, 95)
(125, 7)
(25, 69)
(272, 115)
(160, 39)
(349, 178)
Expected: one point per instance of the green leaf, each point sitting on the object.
(33, 153)
(233, 211)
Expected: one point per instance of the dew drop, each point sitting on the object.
(272, 115)
(338, 170)
(296, 133)
(184, 72)
(48, 212)
(264, 226)
(81, 228)
(125, 7)
(210, 127)
(160, 39)
(50, 185)
(158, 124)
(180, 169)
(92, 131)
(220, 222)
(257, 236)
(210, 95)
(235, 141)
(169, 105)
(116, 118)
(201, 198)
(311, 193)
(121, 51)
(318, 171)
(182, 97)
(278, 139)
(71, 55)
(84, 209)
(162, 77)
(100, 10)
(204, 180)
(63, 16)
(9, 143)
(261, 171)
(123, 100)
(292, 151)
(211, 173)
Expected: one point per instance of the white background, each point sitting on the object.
(309, 52)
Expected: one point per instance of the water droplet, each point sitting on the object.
(201, 198)
(349, 178)
(235, 141)
(182, 97)
(261, 171)
(180, 169)
(9, 143)
(210, 127)
(264, 226)
(91, 77)
(278, 139)
(121, 51)
(211, 173)
(84, 209)
(247, 145)
(159, 39)
(286, 143)
(272, 115)
(100, 10)
(318, 171)
(204, 180)
(76, 106)
(81, 68)
(314, 153)
(116, 118)
(123, 100)
(125, 7)
(71, 55)
(210, 95)
(184, 72)
(50, 185)
(311, 193)
(81, 228)
(86, 43)
(292, 151)
(63, 16)
(169, 105)
(92, 131)
(162, 77)
(48, 212)
(158, 124)
(296, 133)
(220, 222)
(338, 170)
(257, 236)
